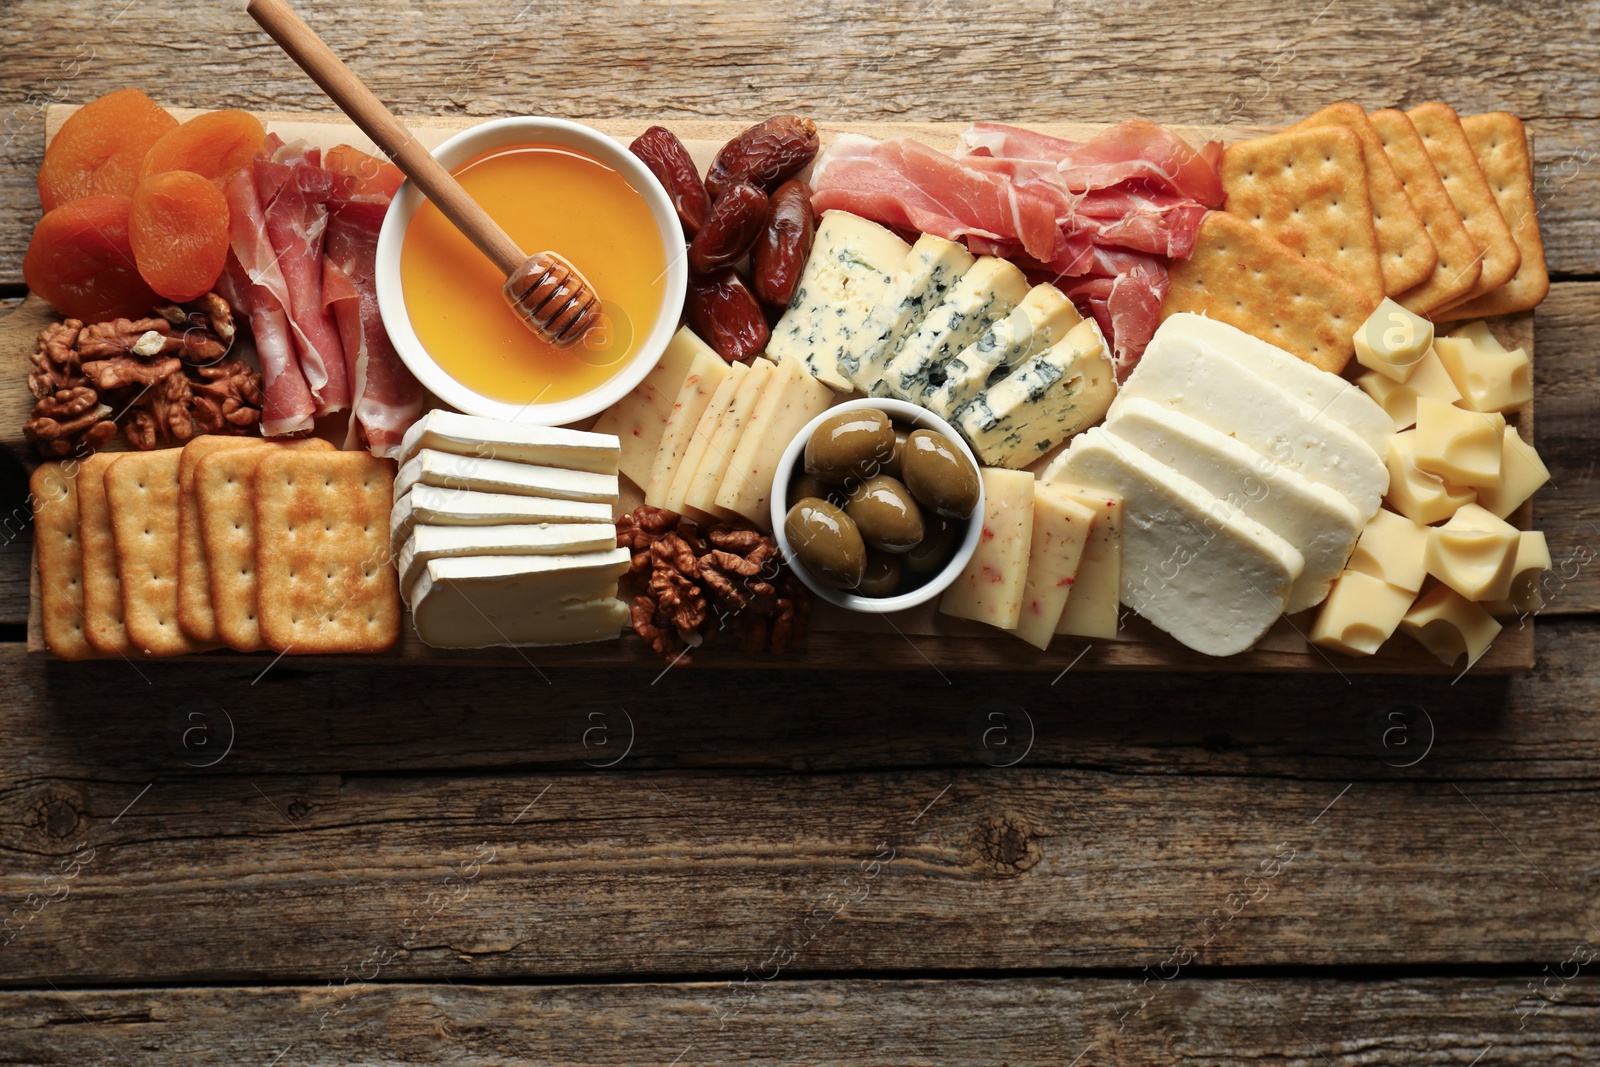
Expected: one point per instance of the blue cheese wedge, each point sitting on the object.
(448, 471)
(852, 262)
(1042, 319)
(986, 292)
(1192, 564)
(1044, 401)
(543, 539)
(520, 442)
(932, 267)
(436, 506)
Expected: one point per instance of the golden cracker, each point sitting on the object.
(1500, 142)
(1308, 191)
(102, 588)
(142, 493)
(53, 490)
(326, 582)
(1458, 168)
(1460, 264)
(1406, 252)
(1240, 276)
(227, 510)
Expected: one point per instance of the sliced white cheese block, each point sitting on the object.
(464, 507)
(790, 399)
(640, 418)
(851, 263)
(1223, 394)
(503, 476)
(445, 617)
(1329, 394)
(540, 539)
(1061, 528)
(700, 502)
(1313, 518)
(1042, 319)
(700, 440)
(986, 292)
(707, 372)
(549, 446)
(932, 267)
(1192, 564)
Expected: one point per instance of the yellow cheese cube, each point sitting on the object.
(1473, 553)
(1096, 601)
(1061, 527)
(1521, 473)
(1393, 549)
(1450, 626)
(1533, 559)
(990, 589)
(1360, 614)
(1399, 399)
(1460, 446)
(1489, 377)
(1421, 497)
(1393, 341)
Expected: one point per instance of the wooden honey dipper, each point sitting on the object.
(544, 290)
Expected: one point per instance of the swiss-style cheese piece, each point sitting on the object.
(1042, 319)
(1393, 341)
(1394, 549)
(449, 471)
(929, 270)
(990, 588)
(851, 263)
(541, 539)
(436, 506)
(1421, 497)
(707, 372)
(1096, 599)
(790, 399)
(519, 442)
(700, 502)
(1489, 377)
(1522, 472)
(1360, 614)
(640, 418)
(1460, 446)
(986, 292)
(1061, 528)
(1192, 564)
(1450, 626)
(1473, 553)
(673, 499)
(1399, 399)
(1532, 560)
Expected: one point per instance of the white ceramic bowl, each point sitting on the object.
(900, 411)
(504, 133)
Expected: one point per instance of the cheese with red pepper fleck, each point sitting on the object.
(1096, 601)
(1061, 527)
(990, 589)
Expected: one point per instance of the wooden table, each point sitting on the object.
(341, 864)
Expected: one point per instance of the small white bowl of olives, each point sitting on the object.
(877, 505)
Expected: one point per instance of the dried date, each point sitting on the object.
(785, 243)
(767, 154)
(736, 220)
(723, 311)
(661, 151)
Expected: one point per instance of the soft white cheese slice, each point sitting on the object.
(447, 471)
(549, 446)
(480, 601)
(1313, 518)
(1042, 319)
(436, 506)
(988, 291)
(932, 267)
(1192, 564)
(541, 539)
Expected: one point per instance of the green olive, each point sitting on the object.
(851, 444)
(936, 548)
(889, 520)
(826, 542)
(940, 475)
(882, 576)
(810, 485)
(891, 466)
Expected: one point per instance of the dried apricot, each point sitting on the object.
(360, 177)
(213, 145)
(179, 232)
(100, 149)
(80, 259)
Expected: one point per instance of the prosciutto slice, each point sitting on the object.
(1126, 301)
(1136, 149)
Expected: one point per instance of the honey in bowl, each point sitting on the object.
(544, 198)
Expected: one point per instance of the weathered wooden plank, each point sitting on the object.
(1296, 1022)
(1231, 61)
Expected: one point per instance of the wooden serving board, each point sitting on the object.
(838, 639)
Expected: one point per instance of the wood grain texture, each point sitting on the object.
(1045, 1021)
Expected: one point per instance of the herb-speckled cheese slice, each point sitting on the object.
(989, 291)
(1042, 319)
(852, 261)
(1045, 400)
(990, 589)
(932, 267)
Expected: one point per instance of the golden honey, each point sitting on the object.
(545, 198)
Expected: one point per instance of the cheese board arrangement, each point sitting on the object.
(852, 394)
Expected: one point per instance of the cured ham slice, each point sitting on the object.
(359, 177)
(1126, 304)
(386, 397)
(1136, 149)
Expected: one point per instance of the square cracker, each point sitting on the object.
(1407, 254)
(1500, 142)
(1440, 129)
(142, 492)
(1240, 276)
(53, 490)
(1308, 190)
(1460, 263)
(326, 581)
(102, 588)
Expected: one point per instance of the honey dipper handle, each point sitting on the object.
(387, 132)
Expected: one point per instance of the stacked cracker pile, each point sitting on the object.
(229, 541)
(1327, 218)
